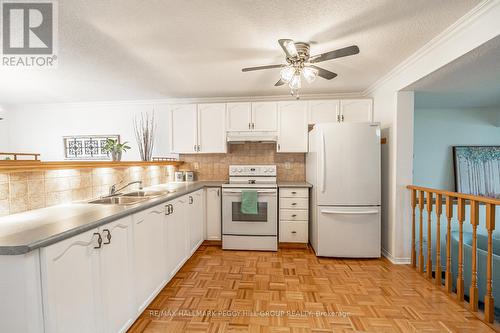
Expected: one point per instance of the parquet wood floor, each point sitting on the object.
(370, 295)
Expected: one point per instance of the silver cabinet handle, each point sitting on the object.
(294, 215)
(294, 203)
(194, 147)
(253, 125)
(342, 117)
(190, 200)
(99, 240)
(199, 149)
(294, 192)
(279, 147)
(249, 126)
(108, 236)
(218, 192)
(294, 232)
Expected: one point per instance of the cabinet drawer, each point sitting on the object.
(294, 203)
(293, 232)
(294, 192)
(294, 215)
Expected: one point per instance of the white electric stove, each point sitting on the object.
(250, 231)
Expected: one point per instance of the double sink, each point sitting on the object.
(130, 198)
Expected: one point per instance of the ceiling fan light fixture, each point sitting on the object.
(287, 73)
(290, 47)
(310, 74)
(295, 83)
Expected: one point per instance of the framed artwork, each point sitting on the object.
(477, 170)
(87, 147)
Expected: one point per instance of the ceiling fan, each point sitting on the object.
(300, 62)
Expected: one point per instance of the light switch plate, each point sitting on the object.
(196, 165)
(288, 165)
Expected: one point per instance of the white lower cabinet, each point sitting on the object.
(75, 274)
(149, 254)
(176, 234)
(214, 214)
(294, 215)
(196, 221)
(101, 280)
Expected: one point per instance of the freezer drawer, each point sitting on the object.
(352, 232)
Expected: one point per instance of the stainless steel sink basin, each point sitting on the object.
(147, 194)
(118, 201)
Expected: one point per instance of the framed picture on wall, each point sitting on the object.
(477, 170)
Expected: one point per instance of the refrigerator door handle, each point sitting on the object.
(322, 163)
(349, 212)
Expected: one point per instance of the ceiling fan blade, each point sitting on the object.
(346, 51)
(288, 46)
(258, 68)
(325, 74)
(279, 83)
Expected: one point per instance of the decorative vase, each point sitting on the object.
(116, 156)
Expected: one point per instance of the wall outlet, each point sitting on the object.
(288, 165)
(196, 165)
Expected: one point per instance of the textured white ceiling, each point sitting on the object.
(125, 49)
(471, 81)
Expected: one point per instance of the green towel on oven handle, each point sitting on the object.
(249, 202)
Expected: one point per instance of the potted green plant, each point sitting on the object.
(113, 147)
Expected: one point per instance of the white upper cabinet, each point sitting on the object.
(293, 128)
(356, 110)
(211, 128)
(239, 117)
(323, 111)
(264, 116)
(183, 128)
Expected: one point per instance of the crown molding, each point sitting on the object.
(168, 101)
(468, 19)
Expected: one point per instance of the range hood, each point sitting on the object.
(253, 136)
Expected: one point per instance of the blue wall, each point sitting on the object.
(437, 130)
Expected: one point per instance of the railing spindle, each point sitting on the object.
(413, 250)
(448, 284)
(474, 221)
(489, 304)
(421, 235)
(439, 209)
(428, 269)
(460, 278)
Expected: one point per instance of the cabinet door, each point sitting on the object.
(323, 111)
(116, 272)
(293, 133)
(177, 235)
(238, 117)
(183, 128)
(213, 213)
(265, 116)
(356, 110)
(212, 128)
(70, 284)
(149, 251)
(196, 220)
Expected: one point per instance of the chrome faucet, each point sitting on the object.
(113, 190)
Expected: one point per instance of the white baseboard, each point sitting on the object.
(396, 261)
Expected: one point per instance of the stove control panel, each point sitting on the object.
(252, 170)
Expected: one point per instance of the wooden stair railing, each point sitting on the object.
(432, 200)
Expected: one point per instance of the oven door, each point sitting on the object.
(264, 223)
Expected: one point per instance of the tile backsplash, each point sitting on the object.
(23, 191)
(291, 166)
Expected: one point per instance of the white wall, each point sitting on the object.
(40, 128)
(471, 31)
(438, 130)
(4, 133)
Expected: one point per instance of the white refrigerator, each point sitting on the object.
(343, 165)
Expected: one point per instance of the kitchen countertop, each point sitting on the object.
(294, 184)
(28, 231)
